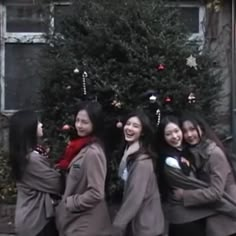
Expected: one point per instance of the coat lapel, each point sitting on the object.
(78, 156)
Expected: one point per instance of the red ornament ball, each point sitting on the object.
(160, 67)
(66, 127)
(168, 99)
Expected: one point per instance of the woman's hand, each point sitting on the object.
(184, 160)
(178, 194)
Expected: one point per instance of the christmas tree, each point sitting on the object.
(125, 54)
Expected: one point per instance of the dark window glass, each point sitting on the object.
(22, 76)
(190, 18)
(26, 18)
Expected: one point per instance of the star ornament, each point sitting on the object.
(191, 62)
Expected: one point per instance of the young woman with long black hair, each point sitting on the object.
(83, 209)
(181, 220)
(213, 167)
(140, 213)
(38, 185)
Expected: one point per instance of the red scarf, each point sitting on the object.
(72, 149)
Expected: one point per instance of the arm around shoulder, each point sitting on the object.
(40, 176)
(218, 171)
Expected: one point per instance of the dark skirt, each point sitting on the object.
(194, 228)
(49, 230)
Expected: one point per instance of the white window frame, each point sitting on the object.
(17, 37)
(202, 13)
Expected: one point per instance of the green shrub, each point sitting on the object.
(7, 185)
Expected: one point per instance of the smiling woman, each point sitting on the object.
(172, 153)
(140, 213)
(132, 130)
(173, 135)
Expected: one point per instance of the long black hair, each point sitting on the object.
(146, 139)
(95, 114)
(164, 150)
(22, 140)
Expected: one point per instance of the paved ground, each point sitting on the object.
(6, 220)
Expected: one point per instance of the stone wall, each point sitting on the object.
(218, 40)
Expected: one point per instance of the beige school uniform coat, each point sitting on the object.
(34, 206)
(141, 212)
(83, 210)
(217, 172)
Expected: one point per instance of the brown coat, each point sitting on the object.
(83, 210)
(218, 174)
(34, 206)
(141, 211)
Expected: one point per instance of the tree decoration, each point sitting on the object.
(84, 77)
(158, 115)
(191, 62)
(66, 127)
(191, 98)
(160, 67)
(168, 99)
(119, 124)
(76, 70)
(116, 103)
(68, 87)
(153, 98)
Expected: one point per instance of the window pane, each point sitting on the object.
(26, 18)
(190, 17)
(21, 76)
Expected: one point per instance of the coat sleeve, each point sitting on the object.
(40, 176)
(96, 175)
(134, 194)
(219, 169)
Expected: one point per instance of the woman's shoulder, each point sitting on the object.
(213, 149)
(36, 161)
(34, 156)
(143, 161)
(95, 149)
(216, 154)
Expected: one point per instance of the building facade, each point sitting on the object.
(23, 25)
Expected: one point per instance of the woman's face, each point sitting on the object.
(191, 134)
(173, 135)
(132, 129)
(39, 129)
(83, 124)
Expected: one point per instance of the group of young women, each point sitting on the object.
(197, 184)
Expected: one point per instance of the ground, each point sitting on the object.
(6, 220)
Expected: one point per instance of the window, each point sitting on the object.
(22, 28)
(192, 14)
